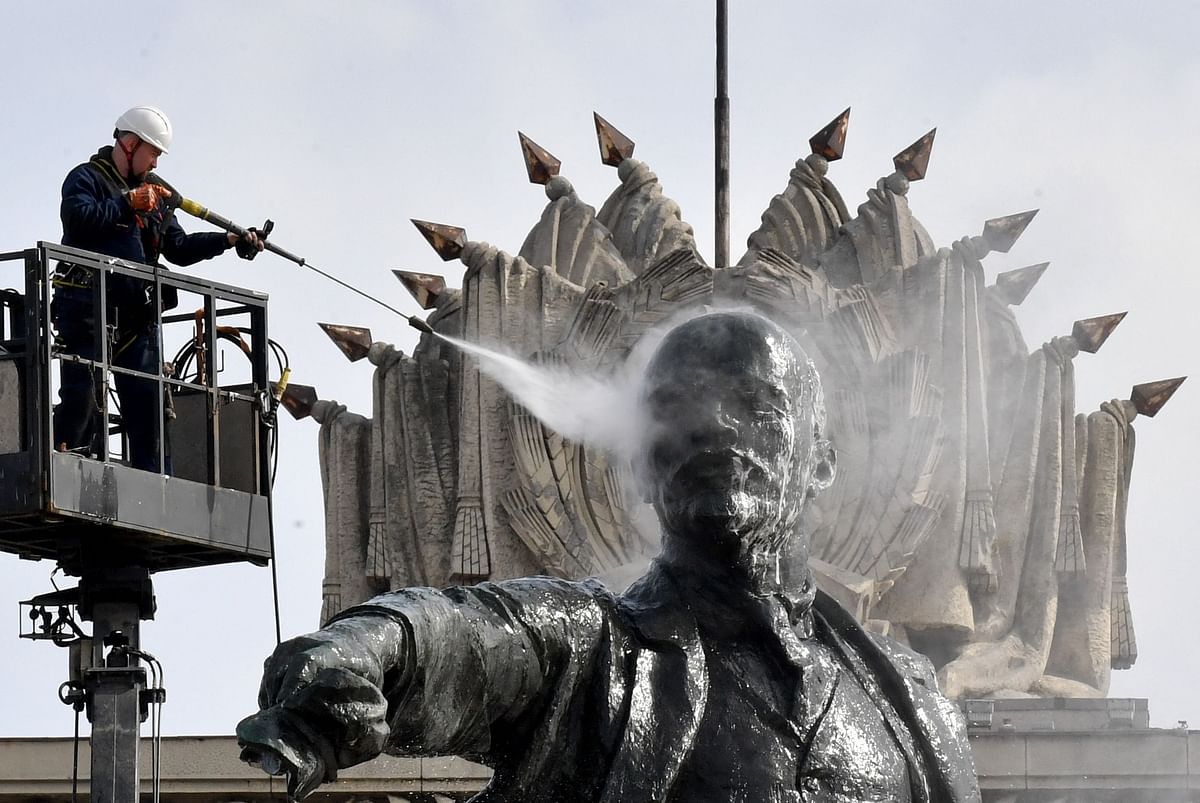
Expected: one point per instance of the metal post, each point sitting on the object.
(262, 385)
(101, 353)
(116, 600)
(39, 363)
(116, 724)
(721, 113)
(213, 432)
(160, 387)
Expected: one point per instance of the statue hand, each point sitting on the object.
(322, 703)
(281, 744)
(277, 738)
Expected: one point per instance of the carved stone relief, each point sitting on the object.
(975, 513)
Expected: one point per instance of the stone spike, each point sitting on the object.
(299, 400)
(1149, 397)
(830, 141)
(425, 287)
(1090, 333)
(540, 164)
(1001, 233)
(615, 147)
(1014, 285)
(354, 341)
(448, 241)
(913, 161)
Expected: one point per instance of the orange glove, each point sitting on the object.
(147, 197)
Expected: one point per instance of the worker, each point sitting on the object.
(113, 204)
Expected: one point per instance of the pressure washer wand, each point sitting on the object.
(204, 213)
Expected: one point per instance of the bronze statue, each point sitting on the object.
(721, 675)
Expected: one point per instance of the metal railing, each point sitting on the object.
(27, 339)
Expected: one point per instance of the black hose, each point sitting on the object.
(75, 760)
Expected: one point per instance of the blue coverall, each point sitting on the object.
(96, 216)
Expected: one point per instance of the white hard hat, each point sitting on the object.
(149, 123)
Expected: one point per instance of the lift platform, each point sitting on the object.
(90, 506)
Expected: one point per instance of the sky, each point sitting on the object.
(342, 121)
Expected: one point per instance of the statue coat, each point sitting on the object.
(571, 693)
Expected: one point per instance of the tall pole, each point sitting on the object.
(721, 113)
(116, 600)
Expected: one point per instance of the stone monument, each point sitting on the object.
(977, 515)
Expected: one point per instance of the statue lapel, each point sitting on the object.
(666, 697)
(816, 678)
(941, 768)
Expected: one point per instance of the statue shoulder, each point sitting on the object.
(549, 615)
(654, 610)
(506, 598)
(541, 591)
(911, 664)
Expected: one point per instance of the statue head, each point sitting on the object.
(733, 445)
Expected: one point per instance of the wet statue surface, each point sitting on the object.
(721, 675)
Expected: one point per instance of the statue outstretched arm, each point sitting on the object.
(418, 672)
